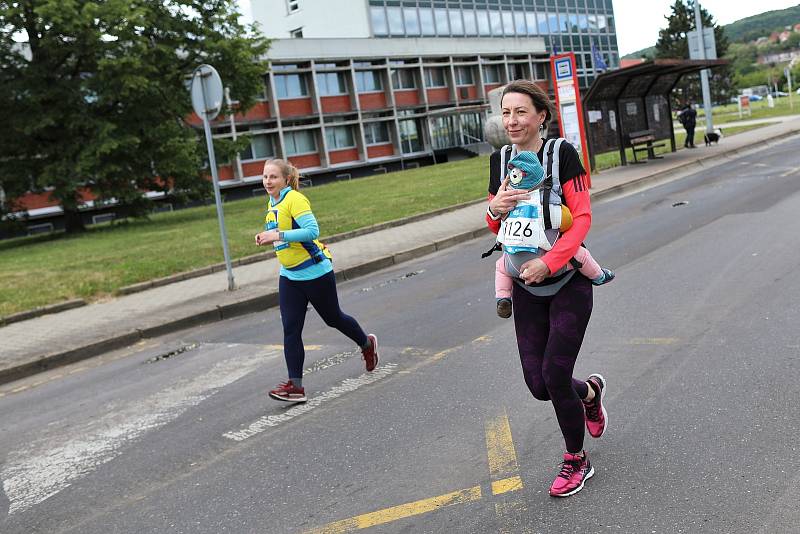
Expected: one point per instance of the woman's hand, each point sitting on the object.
(506, 199)
(534, 271)
(267, 237)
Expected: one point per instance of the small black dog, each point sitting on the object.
(713, 137)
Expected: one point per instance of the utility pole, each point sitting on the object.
(698, 24)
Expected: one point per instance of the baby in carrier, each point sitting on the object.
(523, 230)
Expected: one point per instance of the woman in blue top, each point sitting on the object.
(306, 275)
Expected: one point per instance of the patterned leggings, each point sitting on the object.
(550, 331)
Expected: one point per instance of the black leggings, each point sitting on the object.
(294, 296)
(549, 335)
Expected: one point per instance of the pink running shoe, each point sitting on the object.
(287, 392)
(596, 416)
(370, 355)
(575, 471)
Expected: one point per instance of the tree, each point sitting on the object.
(673, 43)
(93, 96)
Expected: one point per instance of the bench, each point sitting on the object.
(644, 141)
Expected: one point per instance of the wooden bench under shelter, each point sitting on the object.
(644, 141)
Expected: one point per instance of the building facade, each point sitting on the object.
(359, 87)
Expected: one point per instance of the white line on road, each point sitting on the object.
(348, 385)
(41, 470)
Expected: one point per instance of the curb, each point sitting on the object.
(43, 310)
(269, 300)
(220, 312)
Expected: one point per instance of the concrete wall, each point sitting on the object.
(318, 18)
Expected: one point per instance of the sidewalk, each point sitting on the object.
(37, 344)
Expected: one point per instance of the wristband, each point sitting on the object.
(491, 215)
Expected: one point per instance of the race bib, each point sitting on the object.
(522, 229)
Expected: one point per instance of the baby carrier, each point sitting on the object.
(520, 219)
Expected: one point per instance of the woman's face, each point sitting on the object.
(521, 119)
(274, 180)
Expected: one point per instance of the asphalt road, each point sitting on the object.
(697, 338)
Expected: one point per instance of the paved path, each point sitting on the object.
(31, 346)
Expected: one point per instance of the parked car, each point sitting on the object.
(779, 93)
(755, 98)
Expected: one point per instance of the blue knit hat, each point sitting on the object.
(525, 171)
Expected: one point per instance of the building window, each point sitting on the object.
(552, 21)
(496, 23)
(300, 142)
(491, 74)
(339, 137)
(442, 27)
(456, 24)
(470, 23)
(539, 71)
(483, 22)
(519, 23)
(331, 83)
(403, 79)
(464, 76)
(426, 21)
(530, 23)
(519, 71)
(292, 5)
(261, 147)
(376, 133)
(296, 33)
(368, 81)
(541, 19)
(409, 137)
(508, 23)
(290, 85)
(379, 23)
(434, 77)
(395, 17)
(411, 20)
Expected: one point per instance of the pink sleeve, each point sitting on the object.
(576, 198)
(493, 225)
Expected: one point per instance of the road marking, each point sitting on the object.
(790, 171)
(653, 340)
(402, 511)
(507, 484)
(500, 449)
(41, 470)
(347, 385)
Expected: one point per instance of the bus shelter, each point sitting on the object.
(630, 107)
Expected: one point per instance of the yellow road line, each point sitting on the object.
(399, 512)
(507, 484)
(500, 448)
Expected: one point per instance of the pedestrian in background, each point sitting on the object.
(306, 276)
(552, 305)
(687, 116)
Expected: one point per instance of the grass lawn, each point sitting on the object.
(759, 110)
(40, 270)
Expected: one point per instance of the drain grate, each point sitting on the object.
(393, 280)
(170, 354)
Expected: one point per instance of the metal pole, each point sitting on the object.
(238, 167)
(698, 24)
(212, 162)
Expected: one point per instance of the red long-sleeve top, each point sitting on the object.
(575, 195)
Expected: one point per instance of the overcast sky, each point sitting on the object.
(638, 21)
(637, 28)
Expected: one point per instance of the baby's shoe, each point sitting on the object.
(504, 308)
(606, 277)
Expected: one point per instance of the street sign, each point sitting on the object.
(568, 105)
(708, 41)
(206, 92)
